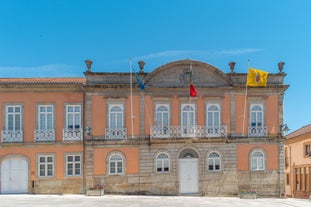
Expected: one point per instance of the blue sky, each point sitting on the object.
(52, 38)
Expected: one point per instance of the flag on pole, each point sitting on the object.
(256, 77)
(140, 83)
(193, 91)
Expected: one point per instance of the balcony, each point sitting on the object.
(44, 135)
(188, 131)
(257, 131)
(72, 135)
(11, 136)
(115, 134)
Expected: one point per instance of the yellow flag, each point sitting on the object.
(256, 77)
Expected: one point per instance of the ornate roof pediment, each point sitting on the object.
(177, 74)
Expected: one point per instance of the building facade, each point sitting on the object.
(158, 140)
(298, 163)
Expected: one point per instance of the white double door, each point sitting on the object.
(188, 176)
(14, 175)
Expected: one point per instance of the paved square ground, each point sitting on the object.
(144, 201)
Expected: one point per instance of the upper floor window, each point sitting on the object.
(213, 116)
(256, 115)
(213, 161)
(187, 115)
(162, 163)
(116, 114)
(73, 116)
(307, 149)
(13, 119)
(162, 115)
(116, 164)
(73, 165)
(45, 117)
(257, 160)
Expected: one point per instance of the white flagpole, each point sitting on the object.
(131, 80)
(245, 98)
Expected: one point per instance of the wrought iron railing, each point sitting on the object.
(115, 134)
(257, 131)
(44, 135)
(72, 135)
(188, 131)
(11, 136)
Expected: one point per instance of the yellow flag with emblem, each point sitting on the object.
(256, 77)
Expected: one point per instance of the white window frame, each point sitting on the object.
(73, 117)
(49, 166)
(214, 161)
(116, 163)
(188, 115)
(119, 124)
(162, 118)
(213, 115)
(162, 164)
(257, 163)
(255, 114)
(17, 117)
(48, 117)
(76, 164)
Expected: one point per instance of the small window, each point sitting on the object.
(116, 164)
(162, 163)
(213, 161)
(46, 165)
(73, 165)
(257, 160)
(307, 150)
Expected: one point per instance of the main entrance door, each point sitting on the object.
(188, 172)
(14, 175)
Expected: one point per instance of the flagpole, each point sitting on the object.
(245, 98)
(131, 87)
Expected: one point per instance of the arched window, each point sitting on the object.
(162, 118)
(256, 115)
(116, 164)
(115, 116)
(188, 118)
(213, 116)
(162, 163)
(257, 160)
(213, 161)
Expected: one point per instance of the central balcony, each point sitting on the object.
(44, 135)
(115, 134)
(257, 131)
(188, 131)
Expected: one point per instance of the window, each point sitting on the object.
(116, 116)
(73, 165)
(45, 117)
(187, 115)
(46, 165)
(73, 116)
(257, 160)
(307, 150)
(13, 118)
(116, 164)
(162, 163)
(256, 115)
(162, 118)
(213, 161)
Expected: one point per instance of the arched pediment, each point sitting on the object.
(177, 74)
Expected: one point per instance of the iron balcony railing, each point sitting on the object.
(44, 135)
(72, 135)
(257, 131)
(188, 131)
(115, 134)
(11, 136)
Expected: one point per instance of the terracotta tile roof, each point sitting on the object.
(303, 130)
(41, 80)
